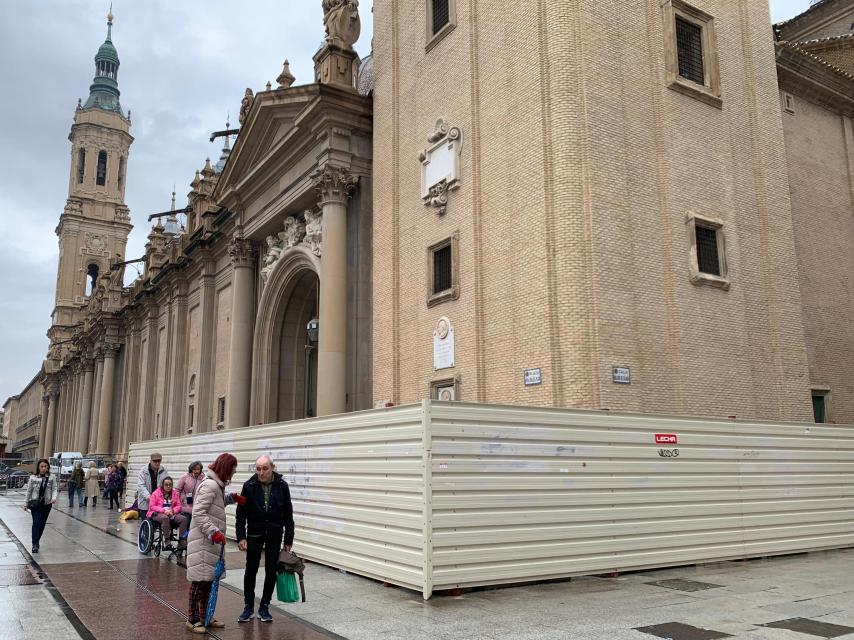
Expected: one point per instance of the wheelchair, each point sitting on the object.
(149, 538)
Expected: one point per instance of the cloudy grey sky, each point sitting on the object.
(185, 65)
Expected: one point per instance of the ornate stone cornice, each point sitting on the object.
(242, 252)
(814, 79)
(334, 184)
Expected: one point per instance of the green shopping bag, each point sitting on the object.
(286, 587)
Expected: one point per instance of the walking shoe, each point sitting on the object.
(216, 624)
(35, 548)
(264, 613)
(197, 627)
(247, 615)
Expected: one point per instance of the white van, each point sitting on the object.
(62, 463)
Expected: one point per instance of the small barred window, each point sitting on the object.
(441, 14)
(708, 260)
(442, 270)
(689, 43)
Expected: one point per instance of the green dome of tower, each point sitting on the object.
(104, 91)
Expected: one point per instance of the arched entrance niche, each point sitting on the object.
(289, 300)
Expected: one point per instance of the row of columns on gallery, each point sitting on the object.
(81, 403)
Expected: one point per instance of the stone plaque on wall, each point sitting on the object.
(443, 344)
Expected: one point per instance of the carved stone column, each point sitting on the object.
(59, 434)
(334, 186)
(96, 398)
(85, 413)
(49, 424)
(105, 411)
(73, 405)
(65, 426)
(42, 426)
(242, 320)
(207, 304)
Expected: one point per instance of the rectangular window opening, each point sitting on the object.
(191, 416)
(442, 270)
(101, 176)
(441, 14)
(81, 165)
(708, 260)
(689, 46)
(220, 411)
(819, 406)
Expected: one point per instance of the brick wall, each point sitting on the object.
(579, 167)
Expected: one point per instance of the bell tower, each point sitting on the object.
(94, 226)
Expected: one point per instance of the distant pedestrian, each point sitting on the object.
(75, 485)
(92, 485)
(267, 516)
(207, 534)
(187, 486)
(165, 510)
(114, 484)
(124, 474)
(149, 479)
(42, 492)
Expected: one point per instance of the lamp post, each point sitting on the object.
(312, 331)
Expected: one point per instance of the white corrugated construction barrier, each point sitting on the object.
(443, 495)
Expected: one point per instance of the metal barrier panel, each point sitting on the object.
(356, 483)
(525, 494)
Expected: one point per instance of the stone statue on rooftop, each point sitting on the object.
(341, 19)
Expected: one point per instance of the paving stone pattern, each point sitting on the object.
(810, 593)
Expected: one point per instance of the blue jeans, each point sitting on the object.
(72, 489)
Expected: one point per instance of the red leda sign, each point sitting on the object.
(665, 438)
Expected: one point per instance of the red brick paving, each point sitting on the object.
(136, 600)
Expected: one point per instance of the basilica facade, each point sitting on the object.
(634, 207)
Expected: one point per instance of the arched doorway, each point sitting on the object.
(285, 362)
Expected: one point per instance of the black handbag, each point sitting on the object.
(32, 504)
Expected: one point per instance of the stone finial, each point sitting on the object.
(269, 85)
(286, 78)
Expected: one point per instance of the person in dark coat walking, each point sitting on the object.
(262, 522)
(42, 492)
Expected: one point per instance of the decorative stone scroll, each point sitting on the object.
(440, 165)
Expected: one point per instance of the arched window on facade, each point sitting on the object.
(101, 178)
(91, 278)
(81, 165)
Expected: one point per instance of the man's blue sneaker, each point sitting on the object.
(247, 615)
(264, 614)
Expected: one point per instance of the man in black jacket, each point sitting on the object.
(266, 517)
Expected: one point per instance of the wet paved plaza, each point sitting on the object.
(89, 581)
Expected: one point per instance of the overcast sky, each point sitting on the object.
(185, 66)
